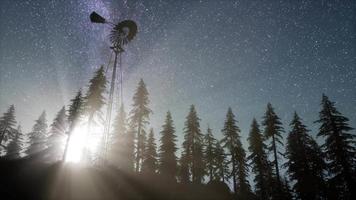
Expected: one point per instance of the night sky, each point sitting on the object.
(213, 54)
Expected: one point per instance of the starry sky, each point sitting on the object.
(214, 54)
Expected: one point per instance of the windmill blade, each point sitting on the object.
(123, 32)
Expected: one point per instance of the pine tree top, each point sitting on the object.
(95, 95)
(209, 138)
(41, 124)
(192, 122)
(140, 111)
(151, 143)
(256, 138)
(8, 118)
(339, 143)
(331, 119)
(168, 139)
(273, 124)
(76, 108)
(168, 126)
(231, 132)
(59, 124)
(297, 126)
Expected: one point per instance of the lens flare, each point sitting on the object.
(81, 140)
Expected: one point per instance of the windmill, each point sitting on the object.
(121, 34)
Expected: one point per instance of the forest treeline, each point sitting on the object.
(312, 170)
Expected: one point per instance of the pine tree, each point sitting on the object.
(259, 162)
(150, 162)
(118, 136)
(139, 119)
(95, 99)
(193, 146)
(167, 158)
(127, 161)
(38, 136)
(231, 141)
(209, 153)
(75, 112)
(339, 149)
(273, 130)
(7, 125)
(184, 174)
(305, 161)
(222, 171)
(15, 147)
(286, 191)
(243, 186)
(58, 130)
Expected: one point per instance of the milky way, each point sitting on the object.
(213, 54)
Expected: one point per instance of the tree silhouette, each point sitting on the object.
(193, 146)
(305, 162)
(150, 162)
(231, 141)
(15, 147)
(167, 158)
(273, 130)
(209, 153)
(139, 119)
(75, 111)
(184, 174)
(127, 162)
(339, 148)
(259, 162)
(222, 171)
(94, 99)
(58, 130)
(7, 124)
(118, 137)
(38, 136)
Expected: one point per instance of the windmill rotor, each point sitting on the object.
(123, 33)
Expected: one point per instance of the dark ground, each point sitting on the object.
(29, 178)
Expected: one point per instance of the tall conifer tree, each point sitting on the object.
(339, 148)
(167, 157)
(139, 119)
(305, 162)
(259, 162)
(127, 161)
(94, 99)
(38, 136)
(209, 153)
(272, 132)
(231, 142)
(7, 124)
(150, 162)
(56, 139)
(193, 146)
(119, 136)
(222, 171)
(15, 147)
(75, 112)
(184, 174)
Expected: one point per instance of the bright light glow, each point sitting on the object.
(80, 141)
